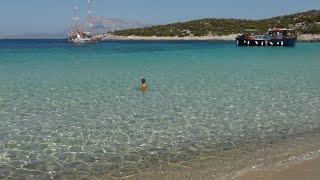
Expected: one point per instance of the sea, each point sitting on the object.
(76, 112)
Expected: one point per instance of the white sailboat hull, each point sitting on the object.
(83, 40)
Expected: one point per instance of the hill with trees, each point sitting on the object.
(303, 22)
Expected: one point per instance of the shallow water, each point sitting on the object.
(74, 111)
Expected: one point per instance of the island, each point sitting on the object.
(306, 25)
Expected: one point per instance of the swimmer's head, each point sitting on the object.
(143, 80)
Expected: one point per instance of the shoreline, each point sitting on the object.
(283, 157)
(278, 158)
(231, 37)
(306, 169)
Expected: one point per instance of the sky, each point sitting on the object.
(50, 16)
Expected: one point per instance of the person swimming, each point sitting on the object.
(144, 85)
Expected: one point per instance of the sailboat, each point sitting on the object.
(78, 36)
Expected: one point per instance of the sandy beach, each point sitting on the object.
(307, 170)
(231, 37)
(291, 159)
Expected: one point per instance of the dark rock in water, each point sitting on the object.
(153, 160)
(131, 157)
(27, 147)
(123, 172)
(75, 166)
(33, 147)
(38, 177)
(16, 164)
(104, 167)
(114, 158)
(13, 156)
(63, 149)
(75, 174)
(52, 166)
(75, 149)
(99, 150)
(33, 156)
(26, 174)
(22, 177)
(65, 156)
(5, 171)
(42, 147)
(49, 151)
(35, 165)
(11, 146)
(100, 157)
(85, 157)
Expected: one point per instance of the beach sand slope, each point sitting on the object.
(305, 170)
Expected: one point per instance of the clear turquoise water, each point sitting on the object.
(74, 111)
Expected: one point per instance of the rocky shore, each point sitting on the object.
(231, 37)
(309, 37)
(156, 38)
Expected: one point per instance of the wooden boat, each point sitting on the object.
(78, 36)
(274, 37)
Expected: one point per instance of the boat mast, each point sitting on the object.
(76, 18)
(90, 18)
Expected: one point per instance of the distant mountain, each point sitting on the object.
(304, 22)
(104, 25)
(100, 25)
(37, 36)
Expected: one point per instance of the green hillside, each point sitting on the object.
(304, 22)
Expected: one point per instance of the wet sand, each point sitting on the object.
(306, 170)
(294, 158)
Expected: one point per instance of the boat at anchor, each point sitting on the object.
(274, 37)
(79, 36)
